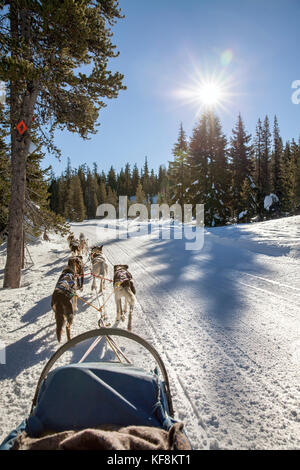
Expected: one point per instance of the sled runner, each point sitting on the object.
(92, 405)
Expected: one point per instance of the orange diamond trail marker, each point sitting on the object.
(21, 127)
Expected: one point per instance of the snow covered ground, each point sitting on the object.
(225, 320)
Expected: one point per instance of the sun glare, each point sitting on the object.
(207, 90)
(210, 94)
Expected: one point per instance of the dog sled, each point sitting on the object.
(101, 404)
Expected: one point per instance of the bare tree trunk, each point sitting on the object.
(21, 108)
(20, 147)
(13, 266)
(23, 251)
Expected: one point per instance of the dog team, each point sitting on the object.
(64, 298)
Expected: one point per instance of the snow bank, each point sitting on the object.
(225, 320)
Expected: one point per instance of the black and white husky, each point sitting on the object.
(99, 267)
(124, 286)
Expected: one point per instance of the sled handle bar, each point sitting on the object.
(105, 332)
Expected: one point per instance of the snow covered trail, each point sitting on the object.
(225, 320)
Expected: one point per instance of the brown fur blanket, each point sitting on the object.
(108, 438)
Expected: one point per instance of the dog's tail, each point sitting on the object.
(58, 309)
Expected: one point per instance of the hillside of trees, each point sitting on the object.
(239, 179)
(77, 193)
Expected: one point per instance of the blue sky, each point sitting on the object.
(165, 45)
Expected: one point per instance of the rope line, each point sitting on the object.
(116, 349)
(102, 316)
(94, 275)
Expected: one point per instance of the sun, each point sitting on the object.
(210, 94)
(204, 90)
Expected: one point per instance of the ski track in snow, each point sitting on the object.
(225, 321)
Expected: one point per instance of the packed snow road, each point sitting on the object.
(225, 320)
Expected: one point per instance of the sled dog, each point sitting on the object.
(124, 286)
(74, 245)
(99, 267)
(70, 238)
(64, 300)
(84, 247)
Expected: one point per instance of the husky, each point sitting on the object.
(64, 300)
(70, 238)
(99, 267)
(74, 245)
(45, 237)
(124, 286)
(84, 247)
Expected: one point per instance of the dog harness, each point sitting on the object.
(98, 258)
(75, 243)
(66, 283)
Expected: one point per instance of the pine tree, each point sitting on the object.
(62, 192)
(145, 179)
(287, 179)
(121, 183)
(163, 184)
(68, 174)
(140, 195)
(82, 173)
(276, 159)
(95, 171)
(112, 179)
(39, 217)
(128, 186)
(198, 158)
(152, 186)
(102, 194)
(241, 165)
(293, 175)
(265, 157)
(162, 180)
(217, 197)
(135, 180)
(258, 144)
(209, 169)
(297, 180)
(181, 144)
(179, 170)
(91, 199)
(248, 201)
(43, 45)
(112, 197)
(74, 209)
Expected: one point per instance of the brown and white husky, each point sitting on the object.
(74, 245)
(64, 300)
